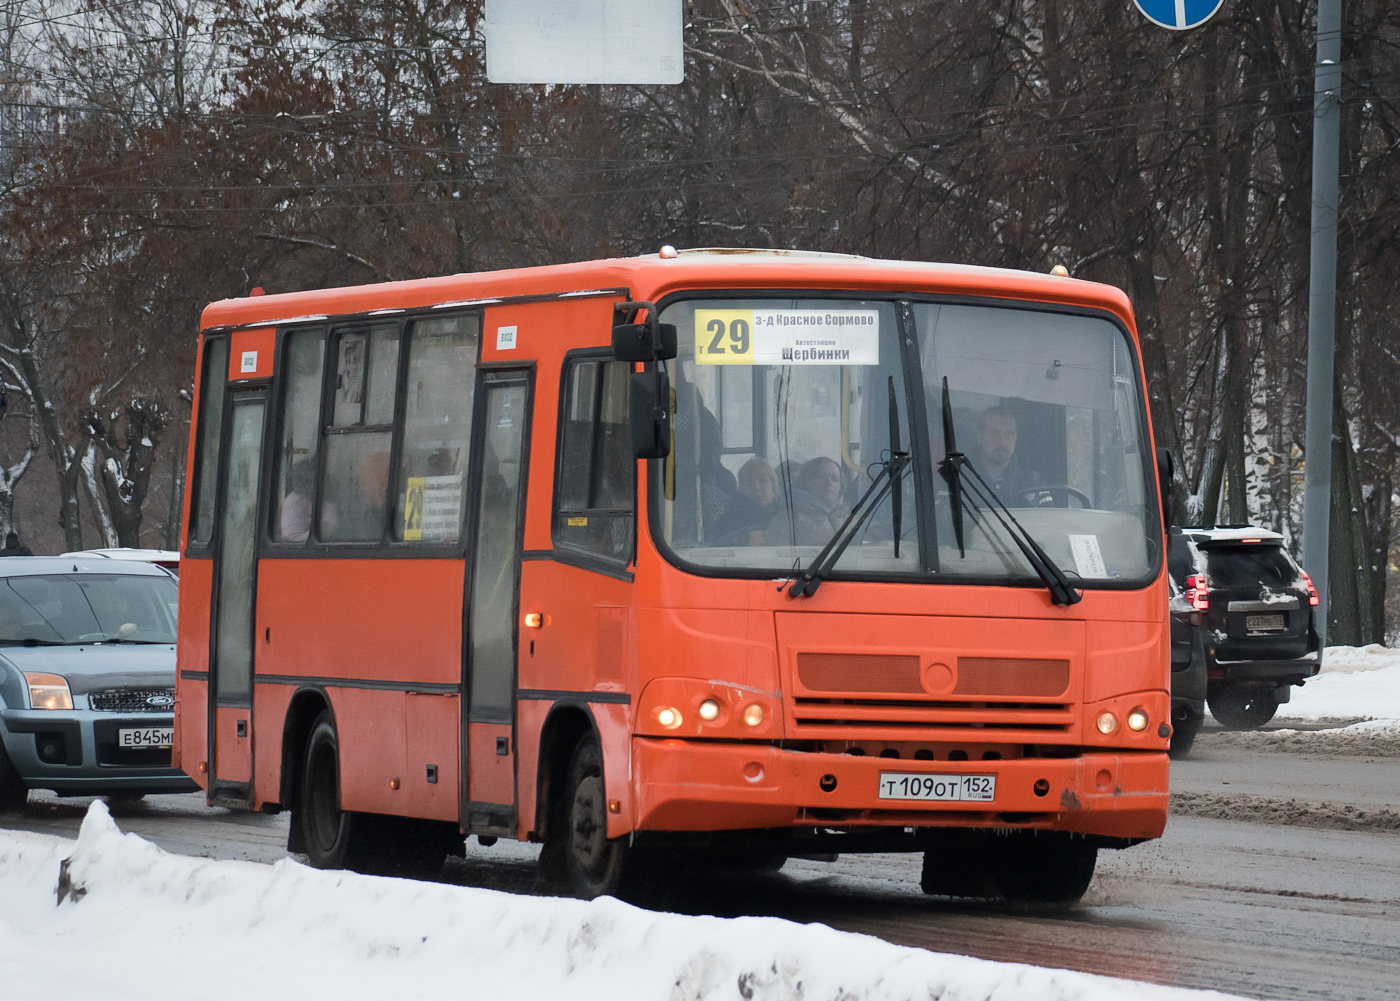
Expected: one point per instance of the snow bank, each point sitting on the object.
(1355, 683)
(135, 918)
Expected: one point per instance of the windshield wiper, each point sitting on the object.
(897, 482)
(34, 641)
(951, 468)
(1054, 579)
(885, 480)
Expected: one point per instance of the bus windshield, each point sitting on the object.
(786, 409)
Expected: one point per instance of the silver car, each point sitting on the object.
(87, 678)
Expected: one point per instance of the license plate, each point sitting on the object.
(938, 788)
(151, 736)
(1263, 623)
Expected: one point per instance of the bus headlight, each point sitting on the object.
(709, 710)
(669, 717)
(1137, 720)
(753, 714)
(48, 691)
(1106, 723)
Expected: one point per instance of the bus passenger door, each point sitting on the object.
(231, 659)
(501, 435)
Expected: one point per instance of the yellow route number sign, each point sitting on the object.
(724, 336)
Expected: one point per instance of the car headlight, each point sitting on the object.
(48, 691)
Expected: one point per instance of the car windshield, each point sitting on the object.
(87, 608)
(787, 409)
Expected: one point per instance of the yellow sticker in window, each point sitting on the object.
(577, 520)
(413, 509)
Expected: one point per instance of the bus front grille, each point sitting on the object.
(927, 718)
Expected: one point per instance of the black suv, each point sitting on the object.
(1258, 610)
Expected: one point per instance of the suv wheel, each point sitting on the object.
(13, 793)
(1242, 708)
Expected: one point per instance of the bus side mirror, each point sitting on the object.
(644, 341)
(1166, 469)
(649, 413)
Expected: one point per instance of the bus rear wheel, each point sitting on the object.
(1043, 867)
(578, 856)
(332, 838)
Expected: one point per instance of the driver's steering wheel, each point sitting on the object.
(1056, 490)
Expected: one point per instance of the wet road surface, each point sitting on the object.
(1278, 876)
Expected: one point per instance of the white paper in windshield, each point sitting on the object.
(1088, 558)
(787, 337)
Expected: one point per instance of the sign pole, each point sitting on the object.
(1322, 301)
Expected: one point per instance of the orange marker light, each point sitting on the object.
(533, 620)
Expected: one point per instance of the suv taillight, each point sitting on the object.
(1197, 592)
(1312, 591)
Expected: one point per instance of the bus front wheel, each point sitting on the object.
(578, 857)
(1043, 867)
(331, 836)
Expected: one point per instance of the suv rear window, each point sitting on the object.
(1243, 566)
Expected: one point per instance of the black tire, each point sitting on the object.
(13, 792)
(1241, 708)
(962, 872)
(1043, 867)
(578, 857)
(332, 838)
(1184, 734)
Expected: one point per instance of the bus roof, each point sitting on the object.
(654, 275)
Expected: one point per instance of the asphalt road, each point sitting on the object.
(1278, 877)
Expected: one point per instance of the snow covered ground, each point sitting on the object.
(134, 922)
(1355, 683)
(138, 923)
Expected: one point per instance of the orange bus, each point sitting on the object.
(740, 554)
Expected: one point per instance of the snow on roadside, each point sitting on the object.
(1355, 683)
(220, 930)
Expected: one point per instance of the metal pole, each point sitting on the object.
(1322, 300)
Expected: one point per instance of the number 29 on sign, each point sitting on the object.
(724, 336)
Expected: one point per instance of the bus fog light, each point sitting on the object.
(753, 714)
(1137, 720)
(1107, 723)
(668, 717)
(709, 710)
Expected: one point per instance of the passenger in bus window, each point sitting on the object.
(295, 520)
(816, 509)
(996, 459)
(752, 508)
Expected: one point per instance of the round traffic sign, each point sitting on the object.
(1178, 15)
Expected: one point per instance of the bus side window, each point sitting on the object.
(595, 489)
(431, 483)
(301, 435)
(355, 474)
(211, 415)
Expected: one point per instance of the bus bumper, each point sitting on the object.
(681, 785)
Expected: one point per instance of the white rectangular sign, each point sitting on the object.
(584, 41)
(787, 337)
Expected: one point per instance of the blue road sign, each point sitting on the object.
(1178, 14)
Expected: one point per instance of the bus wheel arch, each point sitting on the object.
(565, 726)
(306, 707)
